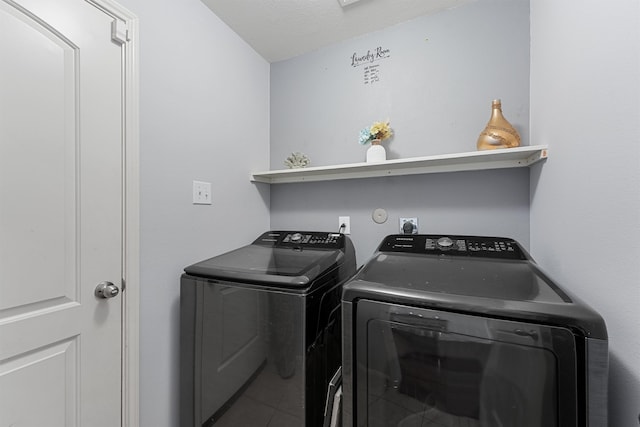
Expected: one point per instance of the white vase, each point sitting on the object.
(376, 153)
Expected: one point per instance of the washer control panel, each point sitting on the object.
(475, 246)
(311, 239)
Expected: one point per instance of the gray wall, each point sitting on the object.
(436, 88)
(585, 226)
(204, 105)
(476, 203)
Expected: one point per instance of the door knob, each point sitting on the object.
(106, 290)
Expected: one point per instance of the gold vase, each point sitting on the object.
(498, 133)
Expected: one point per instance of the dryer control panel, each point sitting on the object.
(475, 246)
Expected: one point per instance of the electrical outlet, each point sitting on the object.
(344, 224)
(408, 225)
(201, 193)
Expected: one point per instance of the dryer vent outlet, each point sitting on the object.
(408, 225)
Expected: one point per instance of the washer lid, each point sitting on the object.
(292, 267)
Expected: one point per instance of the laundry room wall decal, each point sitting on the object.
(371, 71)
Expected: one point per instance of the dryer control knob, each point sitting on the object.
(296, 237)
(445, 243)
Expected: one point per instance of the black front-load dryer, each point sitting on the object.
(260, 331)
(468, 331)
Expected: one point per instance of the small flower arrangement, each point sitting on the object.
(378, 130)
(297, 160)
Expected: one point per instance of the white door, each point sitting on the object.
(61, 214)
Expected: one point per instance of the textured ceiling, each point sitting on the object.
(282, 29)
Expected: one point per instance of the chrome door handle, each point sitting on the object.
(106, 290)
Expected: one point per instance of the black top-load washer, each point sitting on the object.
(465, 330)
(260, 331)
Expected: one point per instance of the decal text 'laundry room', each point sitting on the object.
(371, 71)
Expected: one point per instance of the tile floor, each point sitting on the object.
(269, 401)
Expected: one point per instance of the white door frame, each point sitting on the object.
(127, 32)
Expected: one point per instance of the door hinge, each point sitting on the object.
(119, 31)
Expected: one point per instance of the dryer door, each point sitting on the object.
(422, 367)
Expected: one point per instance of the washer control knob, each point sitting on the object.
(296, 237)
(445, 243)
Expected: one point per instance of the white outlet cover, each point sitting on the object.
(346, 220)
(413, 221)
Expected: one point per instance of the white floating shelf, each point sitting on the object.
(470, 161)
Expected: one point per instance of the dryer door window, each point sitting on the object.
(420, 367)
